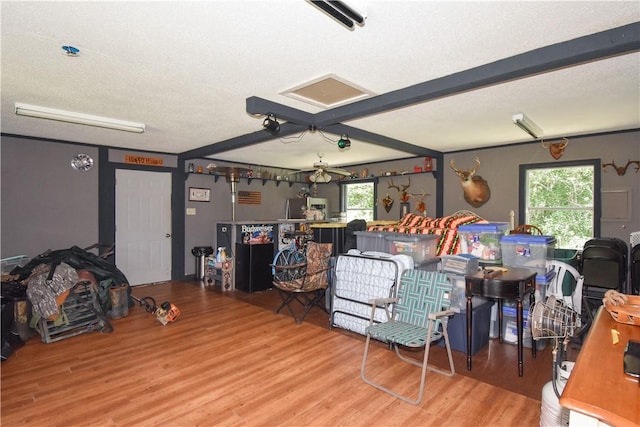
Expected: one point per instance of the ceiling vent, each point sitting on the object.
(328, 91)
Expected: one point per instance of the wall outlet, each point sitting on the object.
(191, 211)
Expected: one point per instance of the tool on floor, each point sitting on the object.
(167, 312)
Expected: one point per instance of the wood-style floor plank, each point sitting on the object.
(229, 362)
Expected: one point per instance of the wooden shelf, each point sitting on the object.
(216, 177)
(376, 178)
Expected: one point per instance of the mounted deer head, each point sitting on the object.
(475, 188)
(556, 149)
(404, 196)
(421, 205)
(621, 170)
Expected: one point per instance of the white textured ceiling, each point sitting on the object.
(185, 70)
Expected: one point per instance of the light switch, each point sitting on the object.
(191, 211)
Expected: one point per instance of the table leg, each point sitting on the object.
(519, 321)
(500, 304)
(469, 325)
(532, 300)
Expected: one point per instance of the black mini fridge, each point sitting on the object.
(253, 272)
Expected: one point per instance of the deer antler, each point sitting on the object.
(452, 163)
(560, 145)
(404, 197)
(475, 168)
(404, 187)
(621, 170)
(468, 173)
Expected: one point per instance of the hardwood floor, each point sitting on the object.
(228, 360)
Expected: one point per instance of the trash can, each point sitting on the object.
(201, 253)
(568, 256)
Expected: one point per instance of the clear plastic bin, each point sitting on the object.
(459, 264)
(9, 264)
(510, 325)
(526, 251)
(420, 247)
(483, 240)
(372, 241)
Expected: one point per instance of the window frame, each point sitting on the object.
(343, 193)
(597, 187)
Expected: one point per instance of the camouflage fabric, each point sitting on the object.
(43, 292)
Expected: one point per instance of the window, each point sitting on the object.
(563, 200)
(358, 200)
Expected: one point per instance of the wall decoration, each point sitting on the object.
(421, 205)
(402, 189)
(475, 188)
(387, 202)
(249, 197)
(557, 148)
(199, 194)
(82, 162)
(621, 170)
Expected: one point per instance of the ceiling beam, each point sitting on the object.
(242, 141)
(593, 47)
(605, 44)
(261, 107)
(383, 141)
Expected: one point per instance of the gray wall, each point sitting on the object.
(45, 203)
(500, 167)
(48, 205)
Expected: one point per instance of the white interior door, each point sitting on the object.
(143, 225)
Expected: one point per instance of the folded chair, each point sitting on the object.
(304, 280)
(566, 277)
(526, 229)
(418, 319)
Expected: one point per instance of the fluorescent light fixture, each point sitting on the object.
(525, 123)
(339, 11)
(77, 118)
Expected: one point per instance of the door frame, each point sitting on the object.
(107, 206)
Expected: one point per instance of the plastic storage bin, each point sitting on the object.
(542, 284)
(510, 326)
(526, 251)
(458, 296)
(372, 241)
(457, 328)
(459, 264)
(8, 264)
(420, 247)
(483, 240)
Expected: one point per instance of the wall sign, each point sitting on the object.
(199, 194)
(143, 160)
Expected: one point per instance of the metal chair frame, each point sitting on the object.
(418, 319)
(298, 278)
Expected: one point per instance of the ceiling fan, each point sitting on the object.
(322, 172)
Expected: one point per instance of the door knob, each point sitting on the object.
(167, 235)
